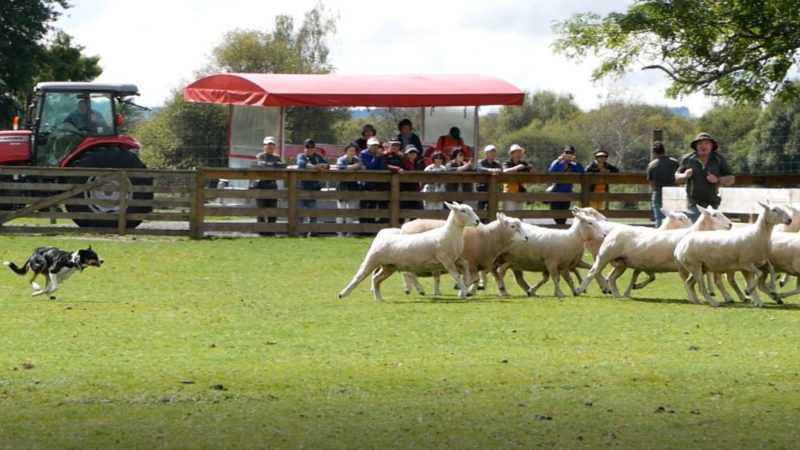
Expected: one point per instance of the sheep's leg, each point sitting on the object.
(377, 279)
(545, 277)
(650, 278)
(364, 270)
(595, 272)
(710, 283)
(436, 279)
(785, 280)
(466, 278)
(577, 274)
(769, 288)
(521, 281)
(482, 282)
(612, 279)
(795, 291)
(501, 285)
(453, 270)
(411, 278)
(752, 274)
(568, 280)
(731, 278)
(700, 280)
(499, 273)
(688, 283)
(407, 282)
(717, 278)
(556, 275)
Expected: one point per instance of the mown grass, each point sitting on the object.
(244, 343)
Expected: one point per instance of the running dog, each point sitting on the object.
(56, 265)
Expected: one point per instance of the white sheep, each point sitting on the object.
(482, 245)
(742, 249)
(554, 251)
(673, 220)
(785, 255)
(423, 252)
(645, 249)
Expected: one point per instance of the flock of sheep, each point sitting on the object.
(699, 252)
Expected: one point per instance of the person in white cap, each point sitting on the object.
(267, 160)
(490, 166)
(515, 164)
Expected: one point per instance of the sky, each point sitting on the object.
(160, 45)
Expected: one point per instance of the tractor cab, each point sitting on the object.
(65, 119)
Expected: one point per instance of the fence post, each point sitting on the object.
(492, 206)
(124, 187)
(585, 182)
(291, 204)
(197, 204)
(394, 202)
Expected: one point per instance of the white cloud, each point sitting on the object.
(159, 45)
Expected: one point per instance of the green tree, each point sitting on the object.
(773, 145)
(538, 109)
(624, 130)
(742, 50)
(286, 50)
(730, 125)
(184, 135)
(24, 24)
(63, 61)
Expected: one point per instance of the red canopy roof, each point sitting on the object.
(257, 89)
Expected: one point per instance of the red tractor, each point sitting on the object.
(71, 124)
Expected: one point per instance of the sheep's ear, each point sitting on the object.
(702, 210)
(764, 205)
(664, 211)
(449, 205)
(500, 216)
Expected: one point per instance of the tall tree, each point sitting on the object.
(742, 50)
(286, 50)
(773, 145)
(23, 26)
(63, 61)
(184, 135)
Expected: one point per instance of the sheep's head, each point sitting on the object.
(590, 212)
(588, 228)
(674, 220)
(464, 214)
(712, 219)
(776, 214)
(512, 228)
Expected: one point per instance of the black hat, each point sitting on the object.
(309, 143)
(569, 149)
(658, 147)
(703, 137)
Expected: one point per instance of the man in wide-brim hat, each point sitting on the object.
(703, 170)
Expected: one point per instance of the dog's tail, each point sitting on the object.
(19, 270)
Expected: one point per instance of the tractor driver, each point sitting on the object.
(96, 124)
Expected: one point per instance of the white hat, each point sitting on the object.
(373, 141)
(269, 140)
(514, 147)
(489, 148)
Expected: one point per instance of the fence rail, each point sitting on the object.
(196, 203)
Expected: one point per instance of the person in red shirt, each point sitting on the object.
(449, 142)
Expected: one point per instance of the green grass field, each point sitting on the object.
(244, 344)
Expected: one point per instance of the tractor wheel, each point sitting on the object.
(115, 158)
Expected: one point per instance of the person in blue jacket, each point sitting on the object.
(566, 162)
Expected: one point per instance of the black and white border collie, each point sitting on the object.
(56, 265)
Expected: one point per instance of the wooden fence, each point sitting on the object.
(197, 203)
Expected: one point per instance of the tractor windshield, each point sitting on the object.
(66, 119)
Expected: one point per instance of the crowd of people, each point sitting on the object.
(703, 170)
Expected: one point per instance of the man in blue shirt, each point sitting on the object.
(566, 162)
